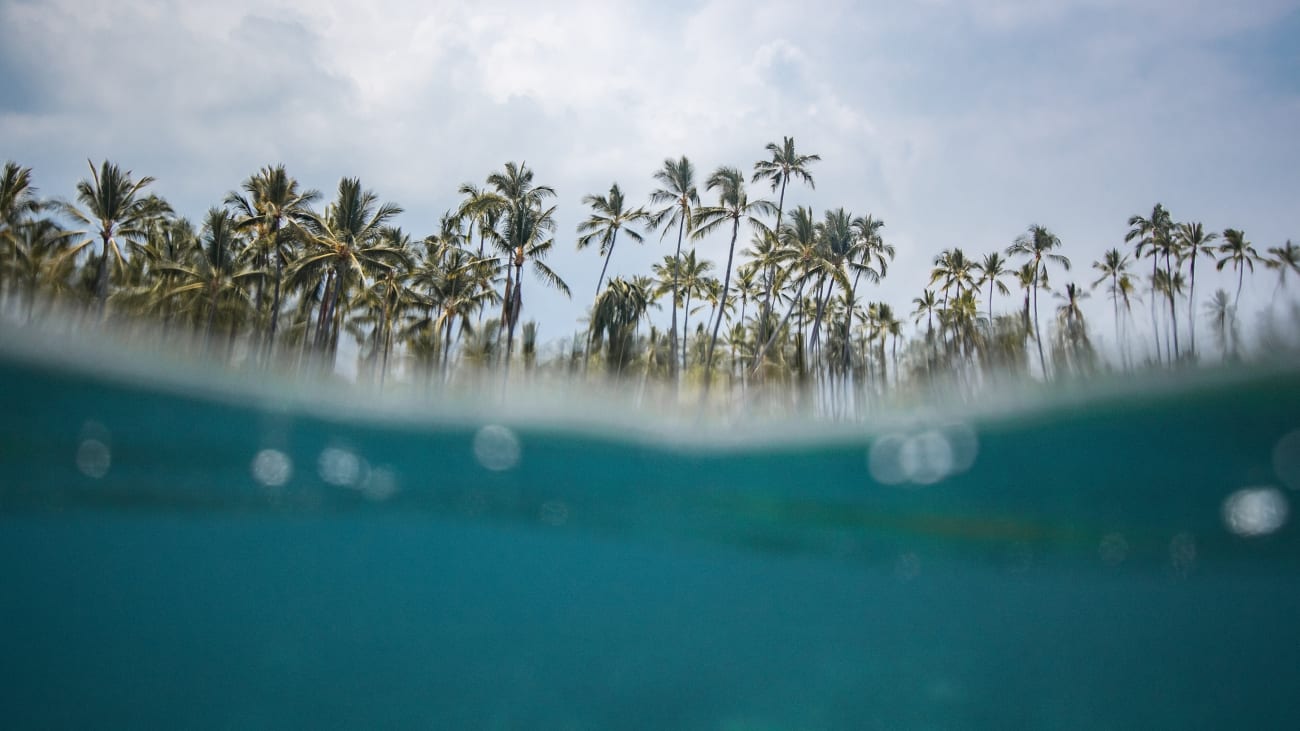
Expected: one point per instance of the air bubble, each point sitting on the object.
(923, 458)
(926, 458)
(1255, 511)
(340, 467)
(94, 458)
(380, 484)
(496, 448)
(272, 468)
(884, 460)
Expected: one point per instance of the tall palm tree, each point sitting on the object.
(483, 208)
(113, 203)
(523, 239)
(609, 216)
(17, 200)
(992, 270)
(926, 305)
(1073, 334)
(272, 199)
(42, 260)
(1223, 322)
(685, 276)
(1237, 251)
(1113, 265)
(786, 164)
(733, 206)
(837, 241)
(211, 274)
(1152, 234)
(345, 245)
(800, 257)
(1284, 259)
(614, 317)
(1037, 245)
(1193, 243)
(679, 196)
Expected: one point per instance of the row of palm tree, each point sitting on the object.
(286, 280)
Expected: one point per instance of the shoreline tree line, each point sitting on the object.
(275, 275)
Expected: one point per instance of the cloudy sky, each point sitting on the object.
(959, 123)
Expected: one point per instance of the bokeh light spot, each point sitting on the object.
(1255, 511)
(496, 448)
(272, 468)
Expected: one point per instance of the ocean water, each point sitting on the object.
(218, 557)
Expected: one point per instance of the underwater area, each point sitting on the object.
(210, 555)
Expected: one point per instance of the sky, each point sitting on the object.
(958, 123)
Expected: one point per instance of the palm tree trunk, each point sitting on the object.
(1241, 272)
(101, 275)
(609, 253)
(1169, 274)
(1155, 325)
(1038, 333)
(686, 329)
(822, 298)
(1191, 308)
(212, 317)
(1114, 300)
(677, 271)
(758, 358)
(771, 273)
(516, 304)
(722, 304)
(275, 308)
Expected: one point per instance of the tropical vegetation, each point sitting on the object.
(276, 275)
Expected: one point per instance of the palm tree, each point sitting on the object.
(680, 198)
(1073, 334)
(522, 239)
(17, 200)
(1223, 322)
(1152, 234)
(992, 270)
(112, 203)
(483, 209)
(801, 256)
(609, 215)
(735, 206)
(272, 199)
(1113, 265)
(1237, 251)
(345, 245)
(837, 240)
(685, 276)
(926, 305)
(952, 267)
(615, 316)
(1193, 243)
(1037, 244)
(42, 259)
(1284, 259)
(211, 274)
(785, 165)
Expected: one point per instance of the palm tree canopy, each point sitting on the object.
(609, 215)
(786, 164)
(677, 193)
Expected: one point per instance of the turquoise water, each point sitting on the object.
(232, 561)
